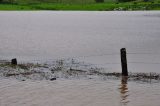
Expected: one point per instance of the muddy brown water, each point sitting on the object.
(78, 93)
(44, 35)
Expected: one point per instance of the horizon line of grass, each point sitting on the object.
(84, 7)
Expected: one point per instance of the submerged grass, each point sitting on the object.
(46, 71)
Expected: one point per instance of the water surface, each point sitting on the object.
(44, 35)
(78, 93)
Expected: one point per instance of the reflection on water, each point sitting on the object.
(124, 92)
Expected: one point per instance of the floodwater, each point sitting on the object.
(78, 93)
(93, 37)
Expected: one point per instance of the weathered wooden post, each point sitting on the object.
(14, 61)
(124, 62)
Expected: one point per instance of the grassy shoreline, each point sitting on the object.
(112, 6)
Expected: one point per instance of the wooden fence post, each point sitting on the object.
(14, 61)
(124, 62)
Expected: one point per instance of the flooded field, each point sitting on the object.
(78, 93)
(73, 58)
(93, 37)
(50, 84)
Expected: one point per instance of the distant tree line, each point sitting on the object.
(63, 1)
(125, 0)
(6, 1)
(99, 1)
(58, 1)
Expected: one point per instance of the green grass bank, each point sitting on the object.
(90, 5)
